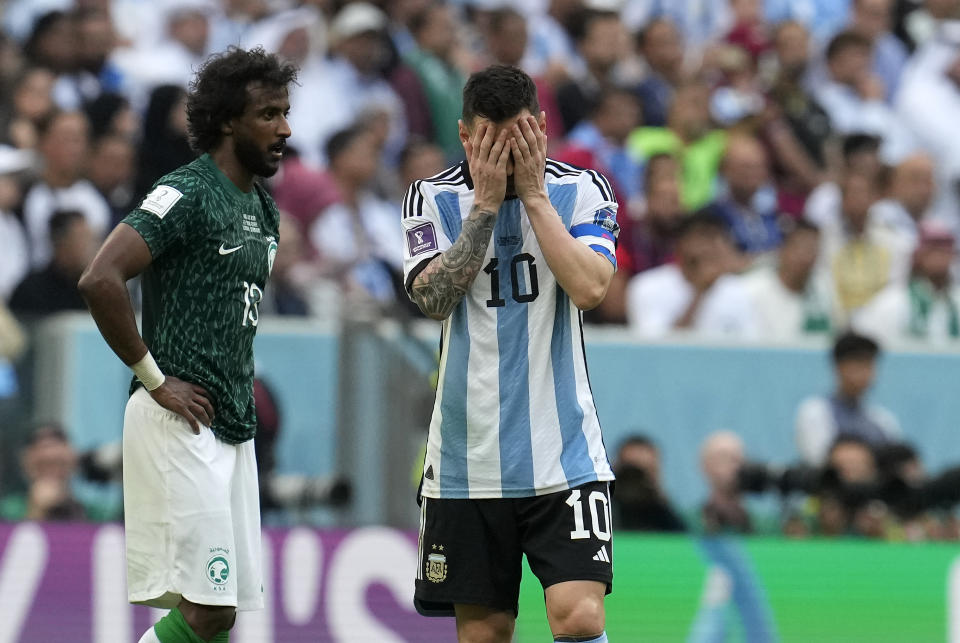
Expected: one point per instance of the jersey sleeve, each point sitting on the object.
(167, 215)
(423, 234)
(595, 216)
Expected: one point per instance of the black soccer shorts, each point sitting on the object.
(471, 550)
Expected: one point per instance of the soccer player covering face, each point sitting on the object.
(204, 240)
(507, 248)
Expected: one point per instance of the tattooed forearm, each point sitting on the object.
(444, 281)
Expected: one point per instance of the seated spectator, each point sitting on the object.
(695, 294)
(112, 167)
(639, 501)
(32, 103)
(910, 195)
(793, 298)
(302, 191)
(287, 292)
(872, 19)
(860, 154)
(688, 137)
(602, 41)
(821, 420)
(661, 46)
(435, 31)
(925, 308)
(48, 463)
(862, 259)
(111, 114)
(854, 98)
(54, 288)
(165, 145)
(749, 30)
(647, 234)
(15, 258)
(721, 457)
(63, 147)
(738, 99)
(356, 237)
(747, 201)
(602, 139)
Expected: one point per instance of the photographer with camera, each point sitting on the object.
(822, 420)
(638, 498)
(721, 459)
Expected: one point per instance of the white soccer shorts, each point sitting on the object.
(192, 512)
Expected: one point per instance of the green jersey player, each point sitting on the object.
(204, 240)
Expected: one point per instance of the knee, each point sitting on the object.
(494, 628)
(583, 616)
(207, 621)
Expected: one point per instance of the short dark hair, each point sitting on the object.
(703, 222)
(46, 430)
(859, 142)
(638, 440)
(579, 25)
(219, 91)
(654, 160)
(851, 345)
(846, 40)
(341, 140)
(60, 223)
(499, 92)
(497, 17)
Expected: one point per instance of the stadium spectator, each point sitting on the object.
(821, 420)
(53, 288)
(910, 195)
(165, 145)
(15, 258)
(64, 144)
(854, 97)
(750, 30)
(52, 43)
(287, 294)
(602, 42)
(111, 113)
(355, 237)
(862, 259)
(737, 100)
(872, 19)
(721, 457)
(31, 102)
(794, 297)
(696, 294)
(48, 462)
(639, 501)
(689, 137)
(599, 142)
(435, 30)
(850, 465)
(860, 154)
(552, 52)
(926, 307)
(747, 201)
(418, 160)
(92, 71)
(111, 169)
(661, 46)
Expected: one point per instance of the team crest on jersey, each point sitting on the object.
(421, 239)
(271, 253)
(161, 200)
(218, 571)
(436, 567)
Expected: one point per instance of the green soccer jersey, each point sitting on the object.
(213, 247)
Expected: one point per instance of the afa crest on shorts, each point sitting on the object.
(436, 567)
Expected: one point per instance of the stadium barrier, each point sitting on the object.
(66, 582)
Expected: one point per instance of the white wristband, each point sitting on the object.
(148, 372)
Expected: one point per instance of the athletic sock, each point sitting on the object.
(173, 628)
(580, 639)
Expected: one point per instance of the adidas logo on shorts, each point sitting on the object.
(602, 555)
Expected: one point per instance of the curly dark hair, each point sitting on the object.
(499, 92)
(218, 93)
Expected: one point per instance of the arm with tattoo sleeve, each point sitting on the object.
(445, 280)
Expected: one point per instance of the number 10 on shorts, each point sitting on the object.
(595, 497)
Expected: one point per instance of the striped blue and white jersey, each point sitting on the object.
(514, 415)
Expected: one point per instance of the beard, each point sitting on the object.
(254, 159)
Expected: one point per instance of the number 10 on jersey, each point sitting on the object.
(516, 281)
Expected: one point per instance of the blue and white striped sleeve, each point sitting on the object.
(595, 217)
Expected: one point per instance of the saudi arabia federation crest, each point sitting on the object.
(271, 253)
(218, 570)
(436, 568)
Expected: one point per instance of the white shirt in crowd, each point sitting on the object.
(849, 113)
(657, 298)
(892, 316)
(816, 428)
(42, 201)
(783, 314)
(15, 258)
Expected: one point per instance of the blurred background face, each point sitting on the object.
(76, 249)
(745, 167)
(859, 193)
(721, 459)
(112, 163)
(792, 45)
(31, 98)
(696, 249)
(934, 260)
(604, 42)
(439, 32)
(662, 47)
(913, 185)
(855, 375)
(871, 18)
(689, 114)
(798, 254)
(58, 45)
(640, 456)
(853, 462)
(64, 146)
(617, 116)
(507, 40)
(95, 39)
(191, 29)
(366, 51)
(49, 458)
(850, 64)
(426, 160)
(359, 160)
(663, 202)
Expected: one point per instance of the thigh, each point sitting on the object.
(245, 513)
(469, 554)
(567, 536)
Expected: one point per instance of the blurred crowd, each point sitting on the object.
(784, 168)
